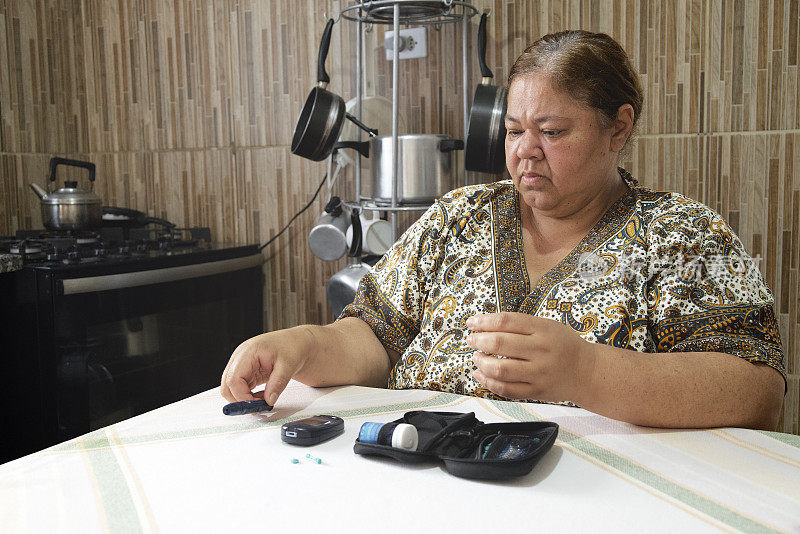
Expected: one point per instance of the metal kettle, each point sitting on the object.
(70, 208)
(342, 287)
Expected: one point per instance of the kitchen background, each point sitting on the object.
(188, 107)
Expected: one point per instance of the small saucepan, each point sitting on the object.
(323, 114)
(485, 146)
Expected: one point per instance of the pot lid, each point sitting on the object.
(70, 194)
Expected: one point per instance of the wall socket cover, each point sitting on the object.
(416, 43)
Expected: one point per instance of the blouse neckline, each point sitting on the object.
(515, 289)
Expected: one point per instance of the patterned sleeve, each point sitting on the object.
(390, 297)
(705, 293)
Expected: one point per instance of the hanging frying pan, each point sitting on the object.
(485, 148)
(320, 121)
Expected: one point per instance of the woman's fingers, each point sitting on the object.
(276, 383)
(503, 343)
(512, 390)
(271, 359)
(224, 390)
(502, 369)
(540, 356)
(239, 389)
(511, 322)
(244, 371)
(500, 375)
(229, 383)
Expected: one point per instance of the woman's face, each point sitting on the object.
(558, 154)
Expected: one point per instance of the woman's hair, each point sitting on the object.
(591, 67)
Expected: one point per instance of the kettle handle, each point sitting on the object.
(55, 162)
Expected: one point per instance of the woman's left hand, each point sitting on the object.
(544, 359)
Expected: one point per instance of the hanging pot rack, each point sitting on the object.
(397, 13)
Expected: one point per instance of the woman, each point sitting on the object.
(566, 284)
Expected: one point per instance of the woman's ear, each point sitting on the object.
(622, 127)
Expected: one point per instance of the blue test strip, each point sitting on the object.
(243, 407)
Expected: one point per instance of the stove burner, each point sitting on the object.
(21, 247)
(46, 235)
(38, 246)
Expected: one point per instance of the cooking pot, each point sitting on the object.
(342, 287)
(427, 167)
(376, 111)
(69, 208)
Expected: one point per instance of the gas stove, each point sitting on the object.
(101, 326)
(42, 248)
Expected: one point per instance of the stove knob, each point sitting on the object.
(124, 250)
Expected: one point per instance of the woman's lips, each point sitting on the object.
(532, 178)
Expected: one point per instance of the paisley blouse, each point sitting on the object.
(658, 273)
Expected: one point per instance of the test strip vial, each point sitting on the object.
(397, 435)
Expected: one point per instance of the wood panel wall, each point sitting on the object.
(188, 107)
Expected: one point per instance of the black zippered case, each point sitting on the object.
(468, 447)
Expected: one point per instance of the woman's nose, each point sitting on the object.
(529, 147)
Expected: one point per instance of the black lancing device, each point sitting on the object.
(243, 407)
(312, 430)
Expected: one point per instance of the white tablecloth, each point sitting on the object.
(189, 468)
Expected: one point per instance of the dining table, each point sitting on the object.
(187, 467)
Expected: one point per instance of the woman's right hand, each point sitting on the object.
(272, 359)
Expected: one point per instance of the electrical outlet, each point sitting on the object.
(413, 43)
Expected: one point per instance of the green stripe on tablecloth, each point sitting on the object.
(115, 496)
(98, 440)
(788, 439)
(641, 474)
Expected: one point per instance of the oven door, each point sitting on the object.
(127, 343)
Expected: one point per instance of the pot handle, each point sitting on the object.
(334, 206)
(55, 162)
(486, 72)
(322, 76)
(371, 131)
(448, 145)
(355, 246)
(362, 147)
